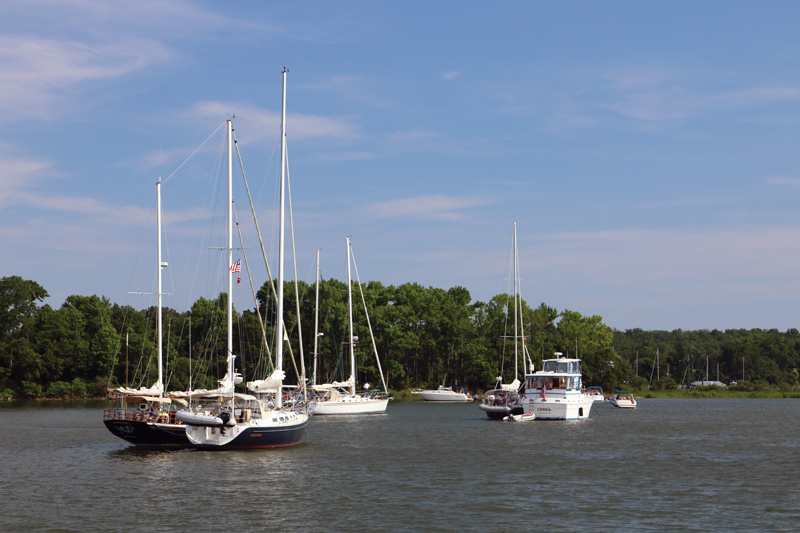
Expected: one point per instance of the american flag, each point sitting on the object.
(237, 266)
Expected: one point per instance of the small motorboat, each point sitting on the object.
(596, 393)
(623, 399)
(445, 393)
(524, 417)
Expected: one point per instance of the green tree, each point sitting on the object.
(18, 313)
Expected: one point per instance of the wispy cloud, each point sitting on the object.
(782, 180)
(450, 76)
(19, 174)
(353, 155)
(431, 207)
(660, 259)
(255, 123)
(653, 94)
(354, 88)
(38, 76)
(116, 214)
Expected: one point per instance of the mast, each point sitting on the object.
(516, 289)
(350, 312)
(316, 324)
(230, 255)
(160, 266)
(279, 308)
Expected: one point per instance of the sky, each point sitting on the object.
(647, 151)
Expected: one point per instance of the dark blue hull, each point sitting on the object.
(255, 438)
(148, 434)
(151, 434)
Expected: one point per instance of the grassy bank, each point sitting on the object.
(717, 393)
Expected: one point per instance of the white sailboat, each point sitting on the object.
(506, 399)
(152, 422)
(341, 398)
(259, 420)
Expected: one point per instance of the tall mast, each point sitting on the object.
(279, 310)
(160, 266)
(350, 312)
(230, 251)
(316, 324)
(516, 289)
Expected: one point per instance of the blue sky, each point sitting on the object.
(648, 151)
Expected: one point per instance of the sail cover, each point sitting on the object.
(513, 386)
(270, 384)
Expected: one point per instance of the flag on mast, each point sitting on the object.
(237, 266)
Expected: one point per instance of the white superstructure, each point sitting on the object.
(556, 391)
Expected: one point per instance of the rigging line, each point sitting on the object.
(209, 200)
(133, 275)
(130, 286)
(364, 301)
(169, 258)
(335, 344)
(294, 265)
(216, 262)
(258, 232)
(269, 273)
(252, 288)
(193, 153)
(275, 147)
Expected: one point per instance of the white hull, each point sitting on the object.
(623, 400)
(442, 396)
(559, 408)
(524, 417)
(349, 405)
(596, 393)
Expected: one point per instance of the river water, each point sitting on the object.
(670, 465)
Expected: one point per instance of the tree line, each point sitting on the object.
(424, 336)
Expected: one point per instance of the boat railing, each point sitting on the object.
(139, 415)
(378, 395)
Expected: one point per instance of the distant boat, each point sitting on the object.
(623, 399)
(596, 393)
(445, 393)
(146, 416)
(506, 399)
(261, 420)
(340, 398)
(555, 392)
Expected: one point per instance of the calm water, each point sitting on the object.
(671, 465)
